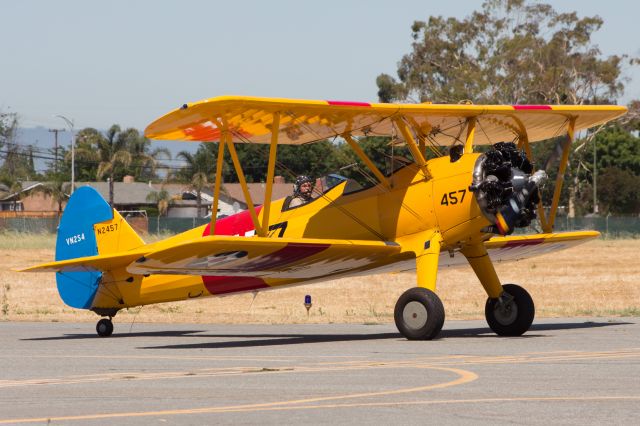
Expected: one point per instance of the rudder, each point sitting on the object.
(88, 227)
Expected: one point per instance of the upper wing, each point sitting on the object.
(251, 119)
(267, 257)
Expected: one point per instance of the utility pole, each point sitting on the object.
(73, 161)
(55, 149)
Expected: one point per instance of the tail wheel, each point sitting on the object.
(104, 328)
(419, 314)
(512, 313)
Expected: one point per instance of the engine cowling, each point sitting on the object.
(506, 188)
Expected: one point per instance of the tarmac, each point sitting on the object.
(563, 371)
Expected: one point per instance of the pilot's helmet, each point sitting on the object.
(299, 181)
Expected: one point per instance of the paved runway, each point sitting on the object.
(563, 371)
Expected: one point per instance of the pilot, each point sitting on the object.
(302, 190)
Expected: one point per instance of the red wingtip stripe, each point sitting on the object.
(348, 103)
(545, 107)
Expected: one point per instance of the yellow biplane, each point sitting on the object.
(459, 207)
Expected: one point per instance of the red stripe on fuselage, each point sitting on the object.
(237, 224)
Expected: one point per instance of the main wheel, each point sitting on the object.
(104, 327)
(514, 315)
(419, 314)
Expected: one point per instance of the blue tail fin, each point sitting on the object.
(77, 238)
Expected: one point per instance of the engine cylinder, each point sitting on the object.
(505, 188)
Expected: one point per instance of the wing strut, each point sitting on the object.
(218, 184)
(273, 149)
(243, 182)
(360, 153)
(560, 178)
(547, 222)
(411, 143)
(471, 133)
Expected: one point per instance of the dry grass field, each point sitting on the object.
(599, 278)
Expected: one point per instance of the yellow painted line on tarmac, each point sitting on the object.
(421, 363)
(438, 402)
(196, 358)
(523, 359)
(208, 372)
(464, 376)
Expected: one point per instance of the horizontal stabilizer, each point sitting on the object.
(98, 263)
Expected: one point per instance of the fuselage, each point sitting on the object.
(415, 201)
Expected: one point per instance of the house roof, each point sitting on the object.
(256, 190)
(26, 186)
(137, 192)
(123, 193)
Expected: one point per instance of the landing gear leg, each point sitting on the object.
(509, 309)
(104, 328)
(419, 314)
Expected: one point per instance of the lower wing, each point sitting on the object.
(300, 259)
(517, 247)
(268, 257)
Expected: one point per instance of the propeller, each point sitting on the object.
(556, 153)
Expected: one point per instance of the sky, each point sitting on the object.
(129, 62)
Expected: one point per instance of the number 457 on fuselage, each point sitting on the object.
(459, 207)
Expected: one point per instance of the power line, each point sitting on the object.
(55, 149)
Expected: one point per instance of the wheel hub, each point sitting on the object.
(506, 312)
(415, 315)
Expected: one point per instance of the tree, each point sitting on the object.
(616, 147)
(144, 160)
(198, 168)
(18, 160)
(57, 188)
(8, 127)
(109, 151)
(618, 191)
(510, 52)
(163, 200)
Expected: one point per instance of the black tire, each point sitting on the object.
(514, 317)
(419, 314)
(104, 328)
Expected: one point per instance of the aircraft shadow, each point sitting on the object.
(277, 339)
(168, 333)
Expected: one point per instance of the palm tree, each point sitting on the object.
(199, 166)
(57, 189)
(162, 198)
(198, 183)
(144, 160)
(109, 151)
